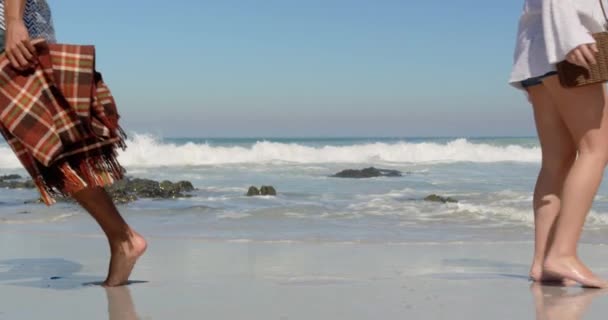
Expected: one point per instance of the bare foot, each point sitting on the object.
(124, 257)
(536, 275)
(572, 268)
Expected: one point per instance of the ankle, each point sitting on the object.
(553, 256)
(538, 260)
(119, 239)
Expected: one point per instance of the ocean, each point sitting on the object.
(492, 179)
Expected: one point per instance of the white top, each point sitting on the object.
(549, 30)
(37, 18)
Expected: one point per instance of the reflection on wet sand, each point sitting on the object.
(120, 304)
(561, 303)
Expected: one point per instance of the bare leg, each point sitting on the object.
(585, 112)
(126, 245)
(558, 155)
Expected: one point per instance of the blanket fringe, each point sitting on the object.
(80, 171)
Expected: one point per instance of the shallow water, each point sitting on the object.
(492, 179)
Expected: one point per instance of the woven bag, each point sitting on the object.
(571, 75)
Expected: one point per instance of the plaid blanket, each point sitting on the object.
(61, 120)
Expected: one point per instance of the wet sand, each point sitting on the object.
(53, 276)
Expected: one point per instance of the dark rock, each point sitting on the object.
(130, 189)
(144, 188)
(15, 181)
(253, 191)
(185, 186)
(123, 191)
(11, 177)
(176, 190)
(367, 173)
(167, 185)
(437, 198)
(263, 191)
(268, 191)
(121, 196)
(28, 184)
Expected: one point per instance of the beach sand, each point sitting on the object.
(50, 276)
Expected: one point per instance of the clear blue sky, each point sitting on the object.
(305, 67)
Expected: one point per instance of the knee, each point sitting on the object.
(597, 151)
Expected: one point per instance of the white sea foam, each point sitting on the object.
(148, 151)
(499, 208)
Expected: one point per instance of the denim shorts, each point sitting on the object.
(1, 40)
(536, 80)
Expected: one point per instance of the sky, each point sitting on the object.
(294, 68)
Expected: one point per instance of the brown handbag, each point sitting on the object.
(571, 75)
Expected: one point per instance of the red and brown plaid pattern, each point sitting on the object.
(61, 120)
